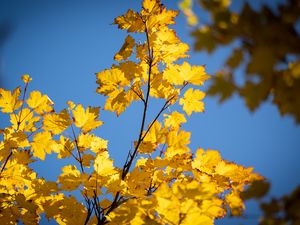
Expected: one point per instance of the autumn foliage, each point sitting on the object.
(162, 181)
(264, 62)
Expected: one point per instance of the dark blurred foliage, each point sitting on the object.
(282, 211)
(267, 50)
(5, 31)
(277, 211)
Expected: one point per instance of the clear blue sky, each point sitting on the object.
(62, 44)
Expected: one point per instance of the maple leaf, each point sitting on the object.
(191, 101)
(42, 144)
(70, 179)
(26, 78)
(131, 71)
(178, 74)
(24, 120)
(167, 47)
(235, 203)
(70, 211)
(168, 205)
(131, 21)
(161, 88)
(137, 182)
(177, 143)
(174, 119)
(163, 36)
(39, 103)
(103, 165)
(10, 101)
(150, 6)
(23, 157)
(117, 102)
(87, 159)
(206, 161)
(57, 123)
(14, 139)
(160, 17)
(86, 120)
(110, 80)
(64, 147)
(96, 144)
(156, 133)
(71, 105)
(126, 50)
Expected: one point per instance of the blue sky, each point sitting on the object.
(62, 44)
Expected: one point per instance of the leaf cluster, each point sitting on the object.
(267, 50)
(161, 182)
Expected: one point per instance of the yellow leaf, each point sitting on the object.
(87, 119)
(71, 105)
(57, 123)
(131, 21)
(191, 101)
(10, 101)
(86, 160)
(70, 211)
(168, 205)
(116, 102)
(155, 134)
(70, 178)
(26, 78)
(167, 47)
(23, 157)
(163, 36)
(173, 75)
(24, 120)
(39, 103)
(178, 74)
(178, 139)
(160, 17)
(111, 80)
(186, 7)
(96, 144)
(161, 88)
(126, 50)
(150, 5)
(235, 203)
(206, 161)
(115, 183)
(173, 52)
(84, 141)
(146, 147)
(177, 143)
(103, 165)
(213, 207)
(15, 139)
(195, 217)
(63, 147)
(138, 181)
(131, 70)
(236, 173)
(174, 119)
(42, 144)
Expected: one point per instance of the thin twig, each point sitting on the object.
(139, 95)
(6, 161)
(21, 110)
(77, 147)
